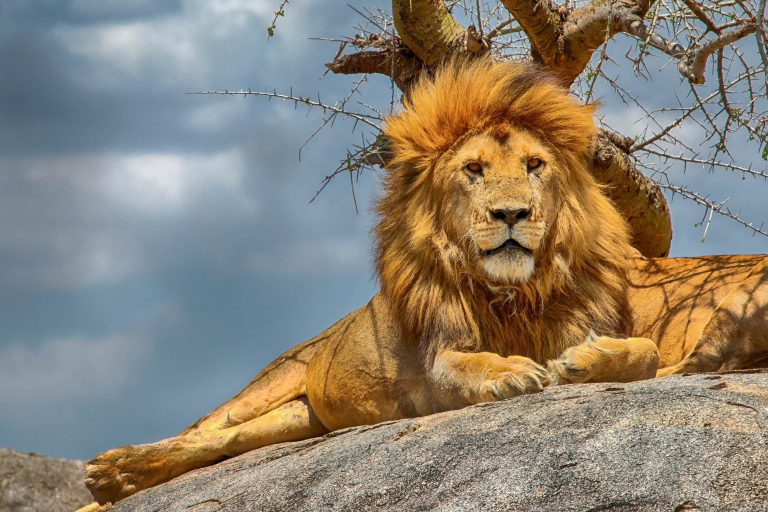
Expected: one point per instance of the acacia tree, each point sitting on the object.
(719, 48)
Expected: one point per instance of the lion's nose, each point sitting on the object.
(510, 215)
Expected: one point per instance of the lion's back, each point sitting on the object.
(672, 299)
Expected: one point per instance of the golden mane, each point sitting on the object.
(437, 299)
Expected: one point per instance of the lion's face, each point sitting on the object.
(502, 202)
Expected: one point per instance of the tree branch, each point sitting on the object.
(718, 208)
(633, 25)
(699, 13)
(637, 197)
(432, 33)
(395, 61)
(693, 65)
(373, 121)
(760, 35)
(584, 31)
(541, 23)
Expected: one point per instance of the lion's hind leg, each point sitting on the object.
(605, 359)
(118, 473)
(736, 336)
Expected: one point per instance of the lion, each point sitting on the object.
(504, 268)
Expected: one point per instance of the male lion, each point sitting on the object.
(498, 254)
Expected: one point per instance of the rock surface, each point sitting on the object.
(682, 443)
(32, 483)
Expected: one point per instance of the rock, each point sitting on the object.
(683, 443)
(32, 483)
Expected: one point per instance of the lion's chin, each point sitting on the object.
(508, 267)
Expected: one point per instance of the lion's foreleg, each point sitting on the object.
(605, 359)
(460, 378)
(118, 473)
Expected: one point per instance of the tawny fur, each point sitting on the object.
(454, 326)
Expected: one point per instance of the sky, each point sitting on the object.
(158, 249)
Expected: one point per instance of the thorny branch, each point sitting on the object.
(371, 120)
(279, 13)
(693, 65)
(368, 155)
(713, 206)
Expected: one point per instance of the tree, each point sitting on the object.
(719, 48)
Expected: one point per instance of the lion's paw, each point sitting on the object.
(605, 359)
(579, 364)
(118, 473)
(516, 375)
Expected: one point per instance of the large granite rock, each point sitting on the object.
(31, 483)
(677, 444)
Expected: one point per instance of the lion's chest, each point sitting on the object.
(539, 336)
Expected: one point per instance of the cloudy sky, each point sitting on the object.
(157, 249)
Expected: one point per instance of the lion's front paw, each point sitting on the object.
(118, 473)
(513, 376)
(605, 359)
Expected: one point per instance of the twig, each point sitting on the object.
(715, 163)
(278, 13)
(701, 15)
(718, 208)
(498, 30)
(368, 119)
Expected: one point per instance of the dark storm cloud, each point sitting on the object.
(158, 249)
(38, 13)
(44, 110)
(74, 81)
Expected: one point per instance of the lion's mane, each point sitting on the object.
(436, 298)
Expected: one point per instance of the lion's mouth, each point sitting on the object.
(509, 245)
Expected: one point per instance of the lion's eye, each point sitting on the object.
(534, 164)
(474, 168)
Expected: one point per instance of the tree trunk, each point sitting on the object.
(636, 196)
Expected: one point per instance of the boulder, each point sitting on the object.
(682, 443)
(32, 483)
